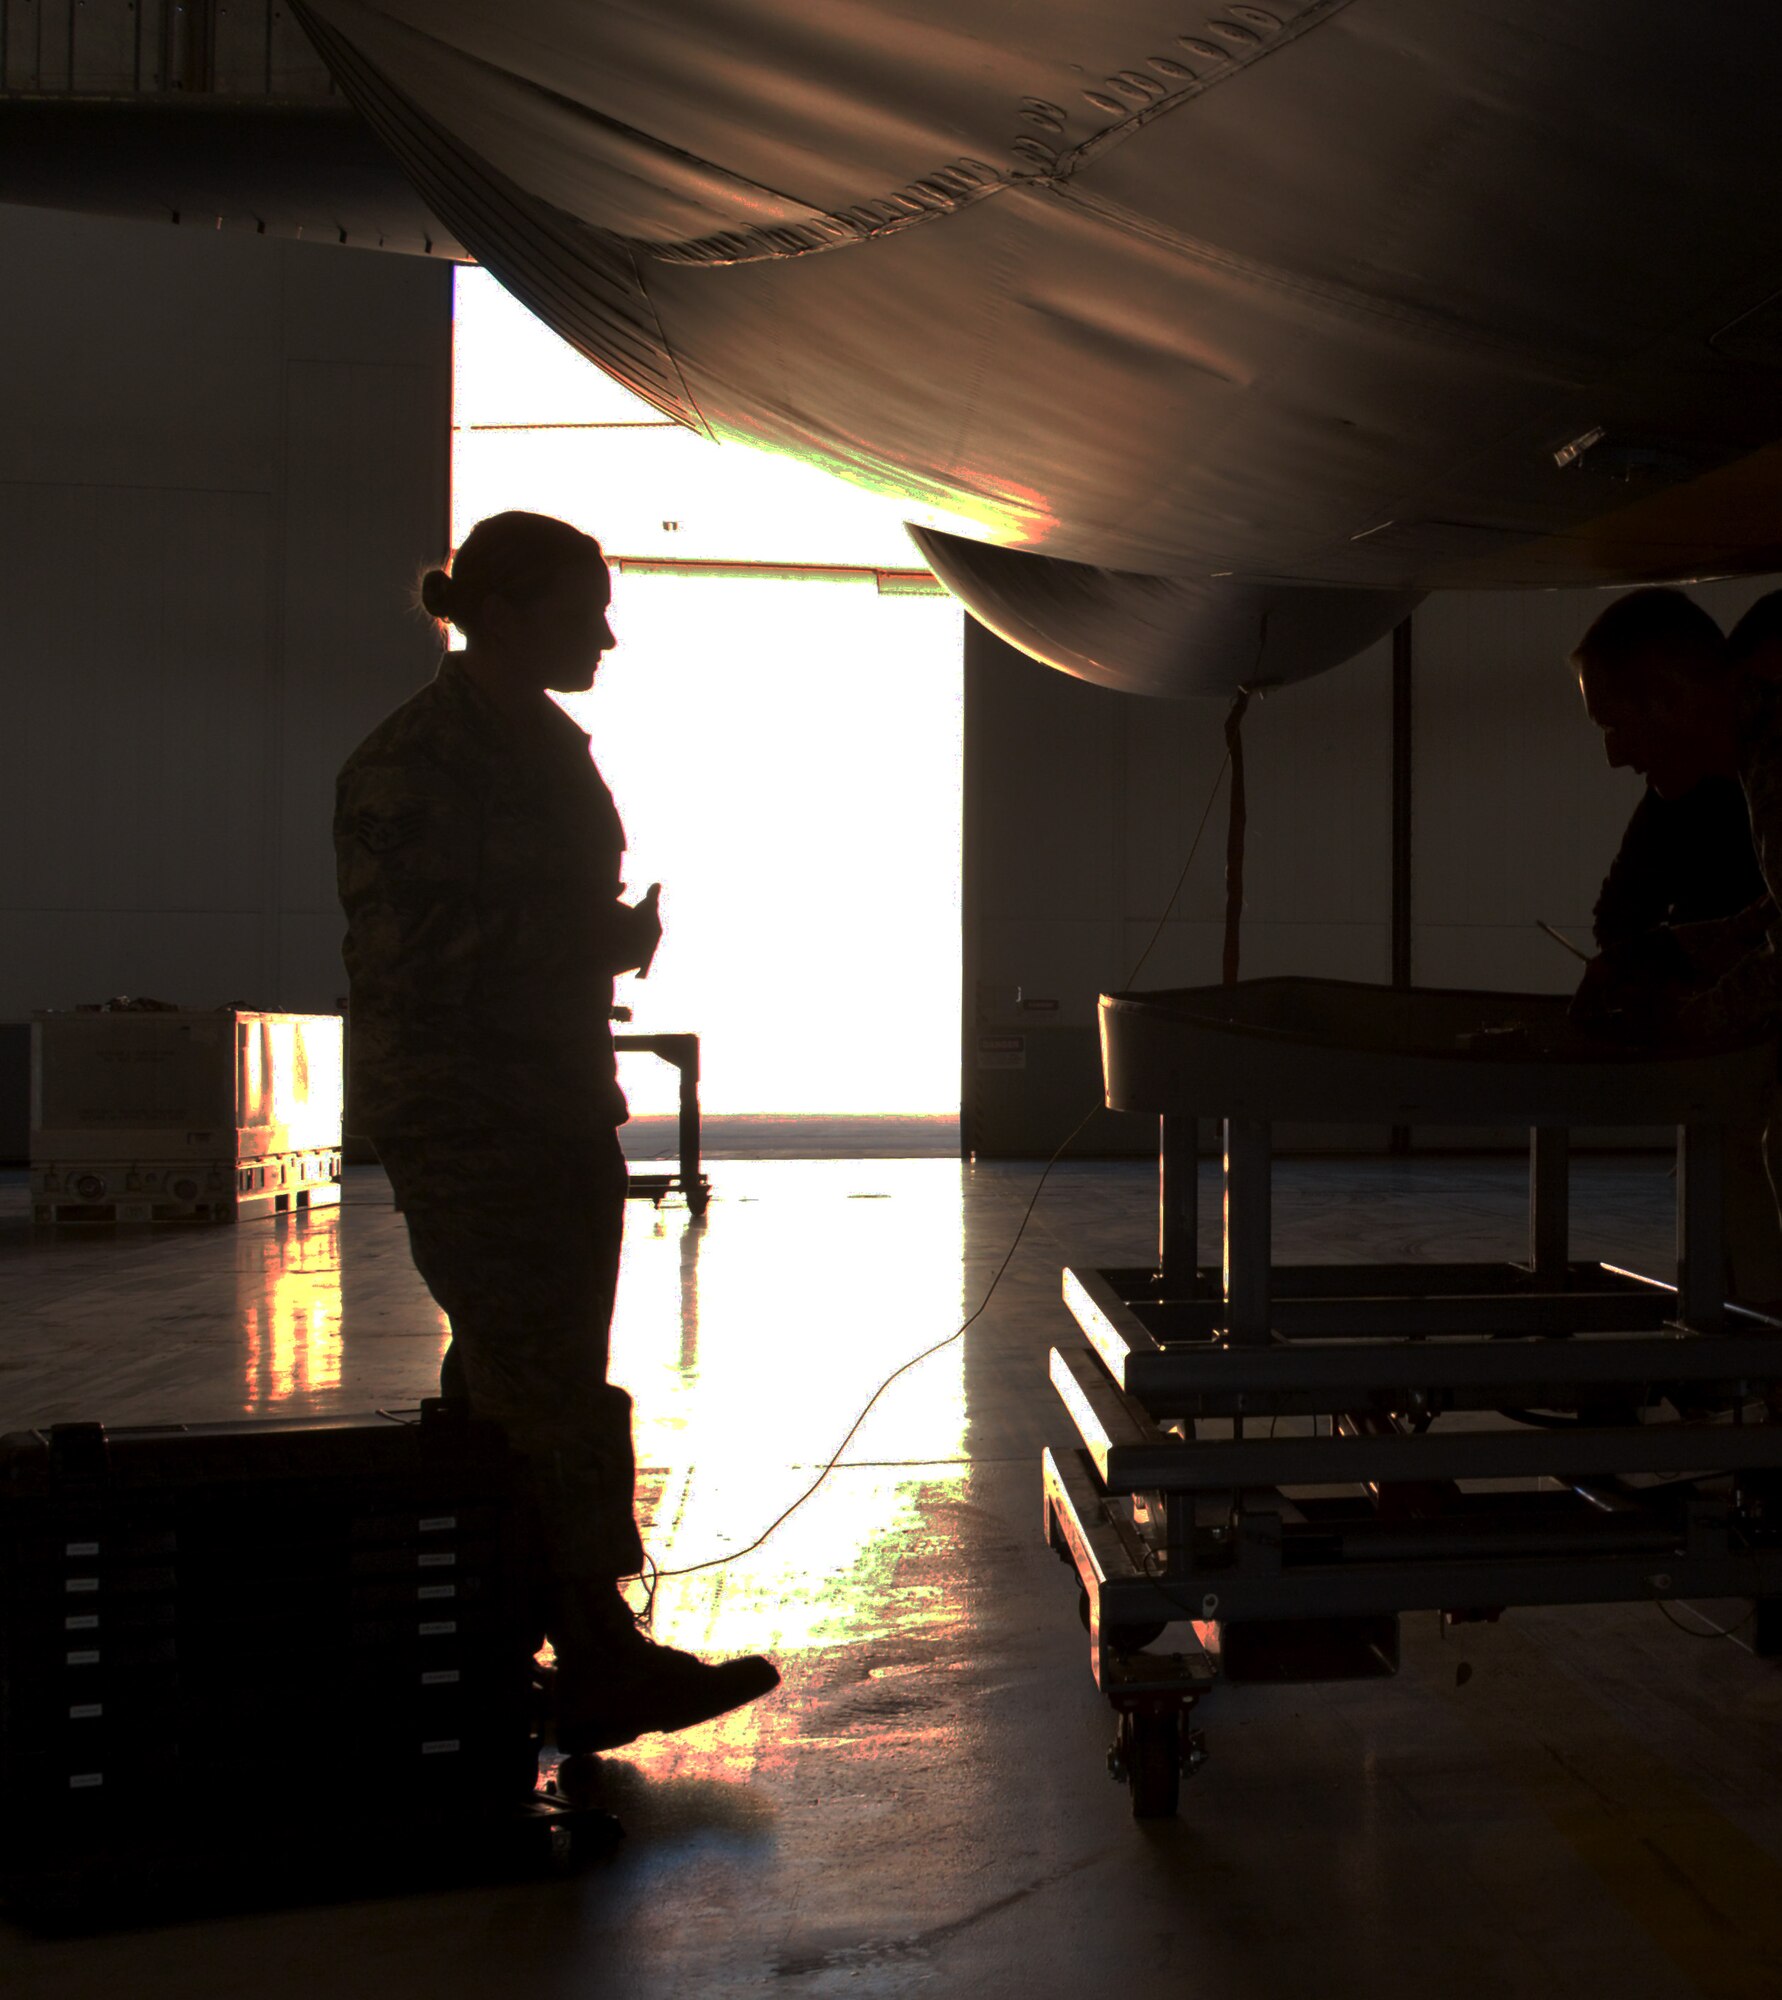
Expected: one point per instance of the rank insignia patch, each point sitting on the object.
(394, 826)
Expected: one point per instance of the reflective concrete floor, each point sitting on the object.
(1586, 1803)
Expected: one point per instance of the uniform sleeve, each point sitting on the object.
(407, 845)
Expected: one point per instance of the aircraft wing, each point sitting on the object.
(1159, 317)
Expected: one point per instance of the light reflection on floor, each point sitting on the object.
(923, 1806)
(812, 1282)
(814, 1304)
(288, 1291)
(815, 1284)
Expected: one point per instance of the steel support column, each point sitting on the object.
(1549, 1201)
(1403, 658)
(1249, 1172)
(1701, 1225)
(1178, 1206)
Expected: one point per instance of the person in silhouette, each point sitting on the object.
(1683, 709)
(1688, 918)
(479, 853)
(1687, 858)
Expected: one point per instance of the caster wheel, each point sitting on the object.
(580, 1782)
(1151, 1750)
(590, 1837)
(1123, 1638)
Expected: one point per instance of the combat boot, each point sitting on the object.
(614, 1684)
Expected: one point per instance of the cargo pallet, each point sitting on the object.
(1283, 1459)
(134, 1191)
(142, 1113)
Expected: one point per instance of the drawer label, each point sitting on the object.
(1002, 1052)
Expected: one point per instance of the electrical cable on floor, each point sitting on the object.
(655, 1572)
(1695, 1632)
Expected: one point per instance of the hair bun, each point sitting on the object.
(436, 593)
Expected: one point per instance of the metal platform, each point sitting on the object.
(1286, 1458)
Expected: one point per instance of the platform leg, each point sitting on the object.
(689, 1121)
(1249, 1191)
(1549, 1200)
(1178, 1206)
(1701, 1225)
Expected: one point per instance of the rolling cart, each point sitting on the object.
(1285, 1458)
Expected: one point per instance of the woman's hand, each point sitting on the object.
(646, 931)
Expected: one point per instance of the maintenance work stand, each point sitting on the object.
(680, 1052)
(1286, 1458)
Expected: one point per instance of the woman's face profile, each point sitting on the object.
(562, 633)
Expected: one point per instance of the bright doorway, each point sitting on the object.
(782, 731)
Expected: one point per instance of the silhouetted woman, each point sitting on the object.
(479, 853)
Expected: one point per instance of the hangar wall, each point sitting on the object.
(1080, 807)
(224, 459)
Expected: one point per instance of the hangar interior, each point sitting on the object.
(226, 456)
(224, 449)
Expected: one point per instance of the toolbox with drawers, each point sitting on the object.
(211, 1628)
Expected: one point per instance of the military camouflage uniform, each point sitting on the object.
(478, 858)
